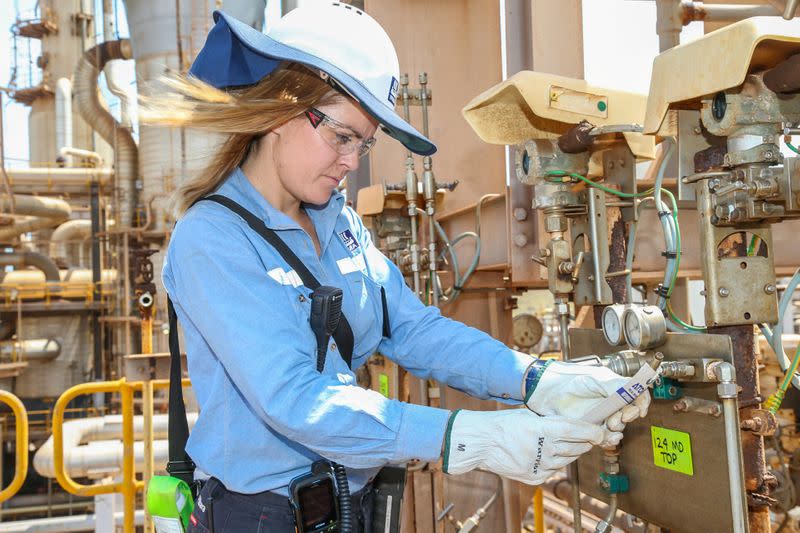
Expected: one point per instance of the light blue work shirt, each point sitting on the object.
(266, 414)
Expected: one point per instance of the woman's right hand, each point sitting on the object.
(517, 443)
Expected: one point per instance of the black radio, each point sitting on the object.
(313, 498)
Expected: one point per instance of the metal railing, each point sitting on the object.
(129, 485)
(21, 469)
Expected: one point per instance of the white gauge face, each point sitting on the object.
(612, 324)
(633, 329)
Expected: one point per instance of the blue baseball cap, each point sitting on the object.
(339, 41)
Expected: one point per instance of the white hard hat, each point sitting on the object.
(338, 40)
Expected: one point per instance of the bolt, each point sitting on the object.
(697, 130)
(680, 405)
(610, 164)
(520, 240)
(768, 154)
(724, 292)
(715, 410)
(622, 163)
(748, 424)
(769, 288)
(520, 213)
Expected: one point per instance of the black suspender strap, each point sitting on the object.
(180, 465)
(343, 334)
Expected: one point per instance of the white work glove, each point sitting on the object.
(573, 391)
(517, 443)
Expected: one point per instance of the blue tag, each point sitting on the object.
(625, 395)
(393, 90)
(349, 240)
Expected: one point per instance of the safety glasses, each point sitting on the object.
(340, 137)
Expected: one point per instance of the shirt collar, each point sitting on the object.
(238, 188)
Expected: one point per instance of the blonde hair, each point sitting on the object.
(245, 115)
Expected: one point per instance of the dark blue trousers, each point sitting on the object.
(263, 512)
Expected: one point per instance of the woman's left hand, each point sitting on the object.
(573, 391)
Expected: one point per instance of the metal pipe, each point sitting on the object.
(79, 229)
(9, 233)
(699, 11)
(93, 445)
(596, 271)
(727, 392)
(64, 524)
(606, 525)
(97, 358)
(64, 116)
(87, 98)
(31, 349)
(52, 177)
(791, 8)
(562, 310)
(538, 510)
(34, 259)
(36, 206)
(67, 151)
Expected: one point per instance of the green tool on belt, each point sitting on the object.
(169, 502)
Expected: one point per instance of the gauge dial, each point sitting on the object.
(644, 326)
(527, 331)
(612, 324)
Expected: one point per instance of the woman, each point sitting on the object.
(301, 105)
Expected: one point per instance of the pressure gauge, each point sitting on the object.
(527, 331)
(612, 324)
(644, 326)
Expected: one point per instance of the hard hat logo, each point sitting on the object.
(393, 91)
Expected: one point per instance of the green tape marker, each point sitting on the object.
(169, 502)
(383, 384)
(672, 450)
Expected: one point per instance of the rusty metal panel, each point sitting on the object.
(687, 503)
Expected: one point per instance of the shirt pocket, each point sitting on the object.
(364, 311)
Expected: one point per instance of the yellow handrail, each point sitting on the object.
(21, 471)
(129, 484)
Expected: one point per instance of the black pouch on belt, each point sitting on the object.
(388, 489)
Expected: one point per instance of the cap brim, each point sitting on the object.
(235, 55)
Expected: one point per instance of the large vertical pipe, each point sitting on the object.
(96, 277)
(64, 117)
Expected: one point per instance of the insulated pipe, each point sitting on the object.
(34, 259)
(72, 230)
(49, 178)
(105, 448)
(87, 97)
(31, 349)
(699, 11)
(64, 116)
(64, 524)
(67, 151)
(9, 233)
(36, 206)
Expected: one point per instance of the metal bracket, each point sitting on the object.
(739, 290)
(590, 234)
